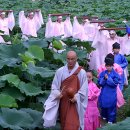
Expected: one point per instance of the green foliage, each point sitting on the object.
(124, 125)
(127, 93)
(35, 52)
(15, 119)
(9, 54)
(11, 78)
(13, 92)
(43, 72)
(29, 89)
(36, 116)
(7, 101)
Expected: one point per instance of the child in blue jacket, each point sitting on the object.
(108, 81)
(120, 60)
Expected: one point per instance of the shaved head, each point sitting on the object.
(72, 53)
(71, 59)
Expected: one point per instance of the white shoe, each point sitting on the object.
(110, 122)
(104, 118)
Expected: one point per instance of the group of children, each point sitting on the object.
(110, 78)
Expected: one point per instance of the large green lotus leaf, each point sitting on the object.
(25, 58)
(13, 92)
(82, 54)
(61, 57)
(41, 43)
(57, 44)
(37, 118)
(9, 54)
(43, 72)
(123, 125)
(35, 52)
(7, 101)
(29, 89)
(11, 78)
(15, 119)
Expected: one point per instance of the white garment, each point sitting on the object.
(54, 29)
(103, 46)
(82, 97)
(78, 31)
(4, 26)
(29, 26)
(90, 31)
(58, 29)
(7, 23)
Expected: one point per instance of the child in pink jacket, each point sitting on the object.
(91, 119)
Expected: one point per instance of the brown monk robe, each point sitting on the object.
(67, 110)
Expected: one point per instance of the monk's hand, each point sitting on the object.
(73, 100)
(106, 76)
(59, 96)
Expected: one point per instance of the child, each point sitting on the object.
(91, 120)
(120, 60)
(108, 80)
(119, 70)
(116, 67)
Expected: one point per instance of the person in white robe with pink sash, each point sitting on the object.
(31, 24)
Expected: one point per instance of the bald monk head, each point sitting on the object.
(71, 59)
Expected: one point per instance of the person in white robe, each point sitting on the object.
(58, 28)
(31, 24)
(6, 23)
(90, 29)
(52, 103)
(103, 45)
(105, 32)
(79, 31)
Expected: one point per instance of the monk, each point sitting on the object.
(68, 96)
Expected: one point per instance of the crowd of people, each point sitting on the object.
(75, 99)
